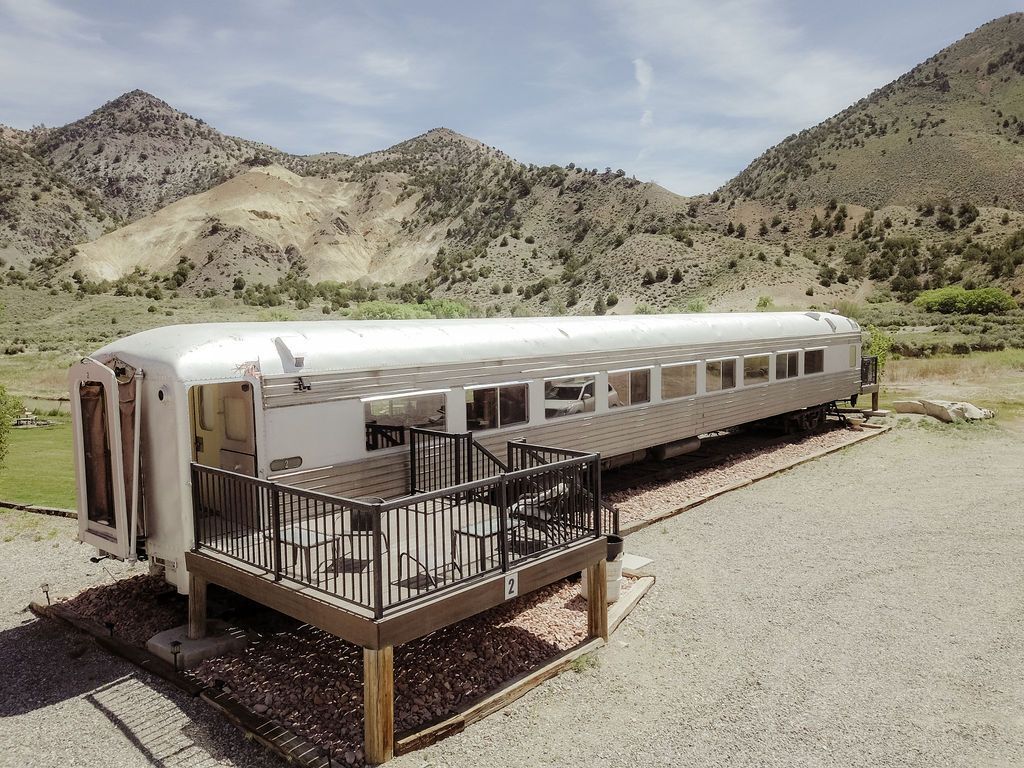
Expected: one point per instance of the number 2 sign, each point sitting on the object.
(511, 585)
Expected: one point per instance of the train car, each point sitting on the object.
(327, 406)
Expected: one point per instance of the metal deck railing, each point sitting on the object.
(470, 515)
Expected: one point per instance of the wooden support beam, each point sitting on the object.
(196, 607)
(378, 704)
(597, 599)
(874, 400)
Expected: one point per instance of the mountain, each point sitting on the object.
(953, 126)
(917, 185)
(137, 154)
(42, 214)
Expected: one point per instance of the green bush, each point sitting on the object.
(10, 408)
(960, 301)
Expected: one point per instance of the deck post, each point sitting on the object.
(597, 600)
(378, 704)
(196, 607)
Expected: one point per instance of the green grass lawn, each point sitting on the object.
(39, 468)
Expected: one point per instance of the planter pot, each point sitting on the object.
(614, 586)
(615, 546)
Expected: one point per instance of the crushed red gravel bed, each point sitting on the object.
(310, 681)
(138, 607)
(648, 500)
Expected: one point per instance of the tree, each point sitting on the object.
(662, 274)
(815, 226)
(741, 230)
(10, 408)
(677, 276)
(599, 306)
(763, 229)
(648, 278)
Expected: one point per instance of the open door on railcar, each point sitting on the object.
(223, 425)
(106, 414)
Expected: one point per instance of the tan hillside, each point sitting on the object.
(265, 222)
(952, 126)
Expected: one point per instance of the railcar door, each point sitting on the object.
(224, 437)
(224, 426)
(106, 418)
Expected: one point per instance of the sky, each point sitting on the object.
(681, 92)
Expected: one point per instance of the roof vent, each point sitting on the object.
(292, 348)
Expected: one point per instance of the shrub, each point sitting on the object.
(878, 343)
(10, 408)
(960, 301)
(764, 303)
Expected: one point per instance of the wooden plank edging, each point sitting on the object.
(39, 510)
(639, 525)
(492, 702)
(520, 685)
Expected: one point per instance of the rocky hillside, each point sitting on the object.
(916, 186)
(953, 126)
(42, 215)
(138, 154)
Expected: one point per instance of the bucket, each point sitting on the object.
(614, 582)
(615, 545)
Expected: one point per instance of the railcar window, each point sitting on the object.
(755, 369)
(494, 407)
(678, 381)
(566, 397)
(388, 419)
(720, 374)
(629, 387)
(853, 356)
(787, 365)
(814, 361)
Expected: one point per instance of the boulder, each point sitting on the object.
(908, 406)
(947, 411)
(942, 410)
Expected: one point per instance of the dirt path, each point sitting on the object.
(864, 609)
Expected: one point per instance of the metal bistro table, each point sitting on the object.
(306, 540)
(482, 533)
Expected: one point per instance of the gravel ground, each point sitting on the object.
(66, 702)
(863, 609)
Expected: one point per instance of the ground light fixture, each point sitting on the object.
(46, 591)
(175, 650)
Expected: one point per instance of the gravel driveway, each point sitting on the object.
(64, 701)
(862, 609)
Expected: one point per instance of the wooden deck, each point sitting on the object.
(414, 619)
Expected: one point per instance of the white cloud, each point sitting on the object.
(647, 118)
(739, 59)
(643, 73)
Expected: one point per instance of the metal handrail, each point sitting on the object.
(313, 517)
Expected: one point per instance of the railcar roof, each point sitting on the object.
(206, 351)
